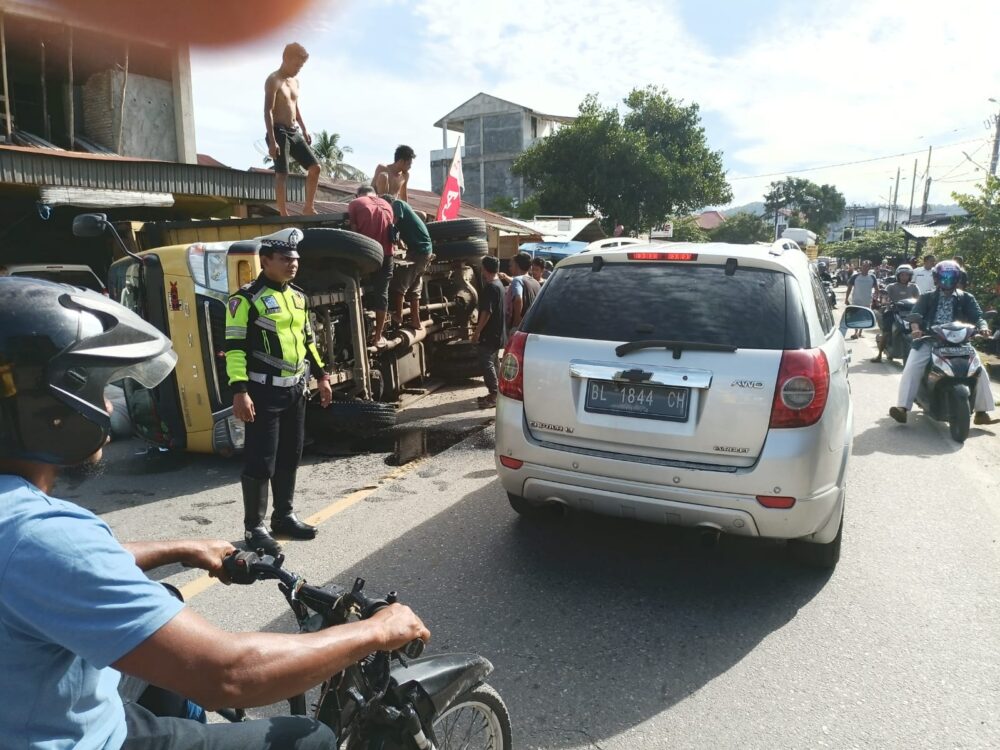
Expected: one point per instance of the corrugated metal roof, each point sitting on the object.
(426, 201)
(31, 166)
(924, 231)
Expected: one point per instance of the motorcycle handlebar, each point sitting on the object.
(247, 567)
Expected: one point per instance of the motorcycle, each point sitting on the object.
(900, 341)
(831, 296)
(395, 701)
(948, 387)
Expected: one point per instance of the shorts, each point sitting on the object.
(291, 142)
(409, 280)
(380, 286)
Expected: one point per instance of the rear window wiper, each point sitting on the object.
(675, 346)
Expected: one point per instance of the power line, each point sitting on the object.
(846, 163)
(962, 161)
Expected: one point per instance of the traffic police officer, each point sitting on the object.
(270, 353)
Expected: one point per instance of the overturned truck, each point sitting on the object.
(183, 289)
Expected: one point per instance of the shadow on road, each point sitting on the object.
(594, 624)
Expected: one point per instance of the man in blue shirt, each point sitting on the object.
(76, 611)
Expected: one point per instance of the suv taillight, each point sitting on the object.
(512, 368)
(803, 386)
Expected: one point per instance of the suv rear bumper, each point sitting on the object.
(656, 494)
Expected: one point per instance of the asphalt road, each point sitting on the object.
(609, 634)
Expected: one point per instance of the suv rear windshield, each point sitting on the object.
(697, 303)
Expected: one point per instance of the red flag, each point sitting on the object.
(451, 196)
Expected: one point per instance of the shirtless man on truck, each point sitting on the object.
(286, 132)
(391, 179)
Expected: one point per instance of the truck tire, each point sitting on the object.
(456, 229)
(350, 417)
(461, 250)
(320, 243)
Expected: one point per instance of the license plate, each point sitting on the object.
(638, 400)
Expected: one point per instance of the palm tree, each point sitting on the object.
(330, 155)
(331, 158)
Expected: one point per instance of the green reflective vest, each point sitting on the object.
(268, 333)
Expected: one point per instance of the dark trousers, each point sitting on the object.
(147, 731)
(488, 363)
(273, 446)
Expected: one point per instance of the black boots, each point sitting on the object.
(254, 510)
(283, 519)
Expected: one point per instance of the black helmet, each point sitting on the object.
(60, 346)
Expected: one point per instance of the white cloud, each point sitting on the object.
(825, 83)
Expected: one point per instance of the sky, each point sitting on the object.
(837, 91)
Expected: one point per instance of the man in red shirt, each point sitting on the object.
(371, 216)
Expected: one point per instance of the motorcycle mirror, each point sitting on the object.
(90, 225)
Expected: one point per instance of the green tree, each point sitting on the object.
(525, 210)
(639, 167)
(330, 155)
(743, 228)
(873, 245)
(976, 236)
(814, 206)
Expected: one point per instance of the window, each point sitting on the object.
(671, 301)
(534, 127)
(822, 304)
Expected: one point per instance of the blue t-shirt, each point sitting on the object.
(72, 602)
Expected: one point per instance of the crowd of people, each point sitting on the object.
(940, 293)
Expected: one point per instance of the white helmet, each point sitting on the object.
(905, 268)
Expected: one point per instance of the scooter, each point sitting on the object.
(901, 339)
(831, 296)
(948, 387)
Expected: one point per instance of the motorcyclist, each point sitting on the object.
(824, 272)
(946, 304)
(76, 611)
(902, 288)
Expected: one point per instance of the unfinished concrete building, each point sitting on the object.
(495, 132)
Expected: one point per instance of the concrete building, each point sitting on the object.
(76, 87)
(91, 120)
(864, 218)
(495, 132)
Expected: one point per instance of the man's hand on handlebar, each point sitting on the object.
(209, 555)
(399, 627)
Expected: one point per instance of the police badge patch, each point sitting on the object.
(271, 304)
(234, 305)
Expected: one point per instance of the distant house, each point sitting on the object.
(864, 218)
(495, 132)
(709, 220)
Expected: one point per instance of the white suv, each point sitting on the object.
(704, 385)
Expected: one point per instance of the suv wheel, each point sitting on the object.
(818, 555)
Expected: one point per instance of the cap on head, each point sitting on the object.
(285, 241)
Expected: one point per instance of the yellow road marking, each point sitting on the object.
(204, 582)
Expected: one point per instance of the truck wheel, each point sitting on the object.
(461, 250)
(320, 243)
(456, 229)
(354, 417)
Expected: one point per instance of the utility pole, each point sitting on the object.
(913, 190)
(895, 201)
(996, 143)
(927, 184)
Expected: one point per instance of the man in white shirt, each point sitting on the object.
(923, 277)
